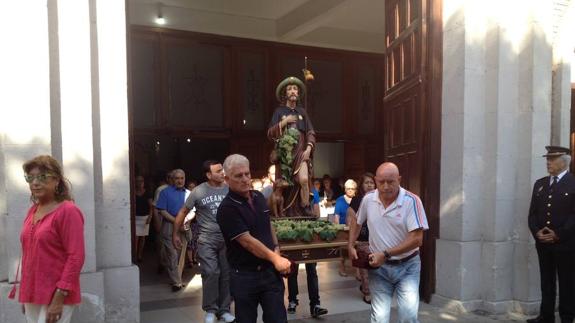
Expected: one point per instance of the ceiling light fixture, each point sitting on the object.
(160, 20)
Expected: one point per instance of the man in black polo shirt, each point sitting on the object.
(252, 249)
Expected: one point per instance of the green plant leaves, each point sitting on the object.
(284, 147)
(289, 231)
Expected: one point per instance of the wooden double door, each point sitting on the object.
(412, 110)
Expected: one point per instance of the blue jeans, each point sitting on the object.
(252, 288)
(403, 279)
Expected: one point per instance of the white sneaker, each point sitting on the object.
(228, 317)
(210, 318)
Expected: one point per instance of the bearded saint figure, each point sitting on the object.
(292, 131)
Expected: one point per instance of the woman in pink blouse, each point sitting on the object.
(52, 245)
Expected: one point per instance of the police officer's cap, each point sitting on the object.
(556, 151)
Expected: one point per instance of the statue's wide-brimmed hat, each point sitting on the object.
(556, 151)
(280, 90)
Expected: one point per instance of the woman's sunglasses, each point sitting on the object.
(42, 178)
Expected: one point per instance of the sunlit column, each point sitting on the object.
(75, 79)
(121, 278)
(113, 204)
(24, 116)
(463, 157)
(534, 129)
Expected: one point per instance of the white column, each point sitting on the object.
(24, 127)
(496, 122)
(25, 121)
(499, 175)
(534, 119)
(121, 279)
(463, 150)
(75, 80)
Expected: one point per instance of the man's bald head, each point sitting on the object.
(387, 180)
(388, 169)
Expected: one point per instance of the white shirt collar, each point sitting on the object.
(398, 201)
(558, 176)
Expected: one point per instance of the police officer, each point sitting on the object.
(552, 223)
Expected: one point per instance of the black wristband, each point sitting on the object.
(386, 254)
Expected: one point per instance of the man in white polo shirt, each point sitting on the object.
(396, 221)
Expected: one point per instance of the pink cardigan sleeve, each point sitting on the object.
(70, 227)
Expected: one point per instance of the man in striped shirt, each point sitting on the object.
(396, 221)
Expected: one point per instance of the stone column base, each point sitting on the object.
(109, 295)
(502, 307)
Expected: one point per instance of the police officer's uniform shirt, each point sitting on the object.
(554, 207)
(558, 177)
(388, 227)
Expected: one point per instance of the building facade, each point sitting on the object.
(506, 86)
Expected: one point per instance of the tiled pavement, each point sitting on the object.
(340, 295)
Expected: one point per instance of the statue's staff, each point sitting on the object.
(308, 77)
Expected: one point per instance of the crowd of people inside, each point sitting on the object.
(184, 223)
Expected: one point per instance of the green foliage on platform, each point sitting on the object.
(290, 231)
(285, 147)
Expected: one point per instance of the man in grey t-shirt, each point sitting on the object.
(206, 199)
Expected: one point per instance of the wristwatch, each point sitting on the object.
(386, 254)
(62, 291)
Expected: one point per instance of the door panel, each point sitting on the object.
(410, 126)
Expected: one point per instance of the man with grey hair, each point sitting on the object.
(169, 202)
(252, 247)
(552, 224)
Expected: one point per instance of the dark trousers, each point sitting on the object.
(312, 285)
(552, 265)
(252, 288)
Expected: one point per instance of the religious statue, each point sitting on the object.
(294, 137)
